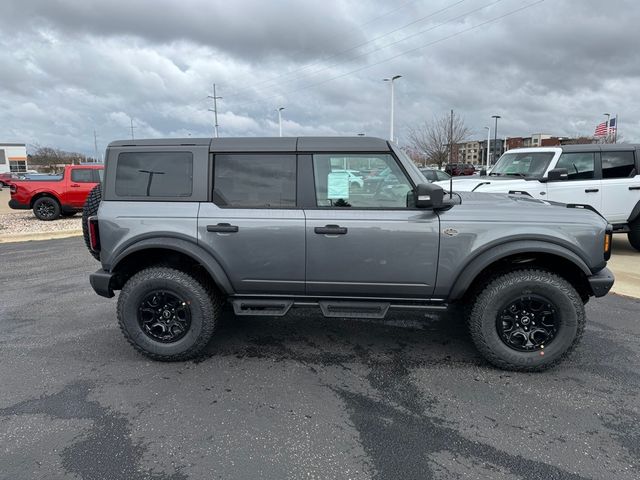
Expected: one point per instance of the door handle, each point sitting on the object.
(592, 190)
(222, 228)
(75, 185)
(331, 230)
(635, 187)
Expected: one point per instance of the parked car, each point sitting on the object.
(434, 175)
(459, 169)
(56, 195)
(278, 231)
(7, 178)
(606, 178)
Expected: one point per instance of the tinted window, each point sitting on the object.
(618, 165)
(255, 180)
(82, 175)
(154, 174)
(336, 186)
(527, 164)
(579, 165)
(98, 173)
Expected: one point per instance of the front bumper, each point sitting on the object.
(16, 205)
(101, 283)
(601, 282)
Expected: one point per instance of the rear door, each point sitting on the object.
(583, 185)
(79, 184)
(367, 244)
(253, 226)
(620, 185)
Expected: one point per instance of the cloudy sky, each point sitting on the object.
(69, 67)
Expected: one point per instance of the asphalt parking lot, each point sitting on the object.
(298, 397)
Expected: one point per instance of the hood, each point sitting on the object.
(486, 184)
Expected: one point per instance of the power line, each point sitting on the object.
(442, 39)
(342, 52)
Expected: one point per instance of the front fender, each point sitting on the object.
(468, 272)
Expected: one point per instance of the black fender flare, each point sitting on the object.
(635, 213)
(181, 245)
(469, 272)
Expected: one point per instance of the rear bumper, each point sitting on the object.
(601, 282)
(101, 283)
(16, 205)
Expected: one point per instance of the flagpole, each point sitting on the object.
(615, 133)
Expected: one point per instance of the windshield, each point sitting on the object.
(522, 164)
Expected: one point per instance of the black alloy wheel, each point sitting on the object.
(528, 323)
(164, 317)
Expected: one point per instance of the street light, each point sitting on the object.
(608, 115)
(495, 133)
(279, 110)
(390, 80)
(488, 129)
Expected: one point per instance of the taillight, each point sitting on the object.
(13, 188)
(94, 234)
(608, 242)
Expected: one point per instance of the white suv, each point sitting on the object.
(606, 177)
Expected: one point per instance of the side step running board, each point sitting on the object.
(353, 309)
(272, 308)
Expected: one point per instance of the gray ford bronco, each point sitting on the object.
(347, 225)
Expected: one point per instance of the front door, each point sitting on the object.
(368, 242)
(583, 185)
(252, 226)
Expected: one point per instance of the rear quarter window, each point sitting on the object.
(154, 174)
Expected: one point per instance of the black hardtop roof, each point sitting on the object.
(268, 144)
(591, 147)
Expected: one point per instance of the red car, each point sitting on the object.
(63, 194)
(7, 178)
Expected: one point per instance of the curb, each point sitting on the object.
(28, 237)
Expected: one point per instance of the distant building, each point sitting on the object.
(13, 157)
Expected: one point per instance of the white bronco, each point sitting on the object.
(605, 177)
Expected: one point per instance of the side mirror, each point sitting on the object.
(558, 174)
(428, 195)
(483, 172)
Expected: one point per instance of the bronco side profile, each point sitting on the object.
(268, 224)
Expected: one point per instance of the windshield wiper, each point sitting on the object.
(492, 174)
(520, 174)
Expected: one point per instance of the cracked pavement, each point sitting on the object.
(299, 396)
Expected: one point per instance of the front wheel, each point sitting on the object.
(167, 314)
(527, 320)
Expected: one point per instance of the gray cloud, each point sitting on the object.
(69, 67)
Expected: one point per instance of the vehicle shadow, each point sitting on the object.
(306, 336)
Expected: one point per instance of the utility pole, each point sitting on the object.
(215, 109)
(495, 135)
(608, 115)
(451, 139)
(391, 80)
(132, 127)
(488, 145)
(95, 145)
(279, 110)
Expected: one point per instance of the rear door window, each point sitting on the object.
(154, 174)
(82, 175)
(254, 180)
(618, 165)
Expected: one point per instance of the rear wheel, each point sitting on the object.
(527, 320)
(89, 210)
(167, 314)
(634, 234)
(46, 208)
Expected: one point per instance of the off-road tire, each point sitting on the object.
(204, 304)
(52, 205)
(634, 234)
(89, 210)
(499, 291)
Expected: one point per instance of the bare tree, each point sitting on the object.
(433, 139)
(49, 158)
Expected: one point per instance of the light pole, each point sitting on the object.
(488, 129)
(608, 115)
(391, 80)
(495, 134)
(279, 110)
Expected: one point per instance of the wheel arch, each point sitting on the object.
(170, 251)
(522, 254)
(41, 194)
(635, 213)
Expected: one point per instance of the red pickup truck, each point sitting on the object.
(56, 195)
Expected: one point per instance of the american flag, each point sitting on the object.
(601, 129)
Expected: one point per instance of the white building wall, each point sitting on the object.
(13, 157)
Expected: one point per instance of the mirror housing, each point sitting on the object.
(558, 174)
(428, 195)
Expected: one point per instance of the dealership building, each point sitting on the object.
(13, 157)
